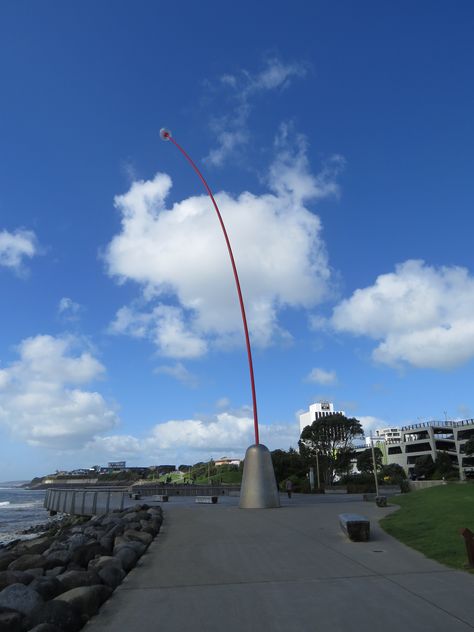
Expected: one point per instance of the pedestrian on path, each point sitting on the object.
(289, 487)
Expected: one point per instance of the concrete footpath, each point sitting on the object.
(218, 567)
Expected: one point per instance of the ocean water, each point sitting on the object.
(20, 509)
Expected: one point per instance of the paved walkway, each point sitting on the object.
(218, 567)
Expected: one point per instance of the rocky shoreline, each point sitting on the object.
(57, 581)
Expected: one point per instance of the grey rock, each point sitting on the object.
(6, 559)
(10, 622)
(14, 577)
(54, 572)
(76, 540)
(107, 543)
(74, 579)
(45, 627)
(57, 613)
(102, 561)
(134, 544)
(128, 557)
(61, 557)
(134, 524)
(112, 576)
(35, 572)
(47, 587)
(36, 545)
(85, 553)
(20, 597)
(138, 536)
(86, 599)
(27, 561)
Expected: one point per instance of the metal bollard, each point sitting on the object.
(468, 536)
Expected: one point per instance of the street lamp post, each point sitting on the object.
(258, 489)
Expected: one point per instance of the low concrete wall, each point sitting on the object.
(81, 502)
(185, 490)
(416, 485)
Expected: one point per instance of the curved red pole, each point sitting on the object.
(166, 135)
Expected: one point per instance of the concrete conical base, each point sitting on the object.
(259, 489)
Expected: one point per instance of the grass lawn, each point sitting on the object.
(429, 521)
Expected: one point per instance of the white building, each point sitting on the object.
(384, 435)
(318, 411)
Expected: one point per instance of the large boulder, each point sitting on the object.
(76, 540)
(86, 599)
(139, 547)
(128, 557)
(27, 561)
(14, 577)
(74, 579)
(138, 536)
(20, 597)
(102, 561)
(57, 558)
(10, 621)
(85, 553)
(36, 545)
(6, 559)
(47, 587)
(58, 613)
(45, 627)
(111, 576)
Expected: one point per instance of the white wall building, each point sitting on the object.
(318, 411)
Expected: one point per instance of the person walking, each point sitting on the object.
(289, 487)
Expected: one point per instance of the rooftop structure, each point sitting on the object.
(316, 411)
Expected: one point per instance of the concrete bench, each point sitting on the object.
(356, 527)
(161, 498)
(207, 499)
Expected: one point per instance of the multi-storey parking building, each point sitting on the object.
(430, 438)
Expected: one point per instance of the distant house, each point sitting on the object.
(224, 460)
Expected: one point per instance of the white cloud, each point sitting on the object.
(16, 247)
(320, 376)
(370, 424)
(40, 401)
(231, 129)
(68, 309)
(179, 372)
(193, 440)
(165, 326)
(180, 252)
(422, 315)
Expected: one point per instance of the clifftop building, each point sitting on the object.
(318, 411)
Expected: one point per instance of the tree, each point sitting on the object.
(286, 464)
(469, 447)
(327, 437)
(395, 472)
(443, 466)
(343, 461)
(424, 466)
(365, 462)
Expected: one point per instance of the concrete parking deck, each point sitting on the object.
(218, 567)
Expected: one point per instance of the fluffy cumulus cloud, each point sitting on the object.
(178, 256)
(231, 129)
(193, 440)
(41, 399)
(321, 376)
(421, 315)
(16, 247)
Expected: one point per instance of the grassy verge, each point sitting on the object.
(429, 521)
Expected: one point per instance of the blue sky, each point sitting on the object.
(337, 137)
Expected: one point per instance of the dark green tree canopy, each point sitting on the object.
(469, 447)
(365, 462)
(327, 437)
